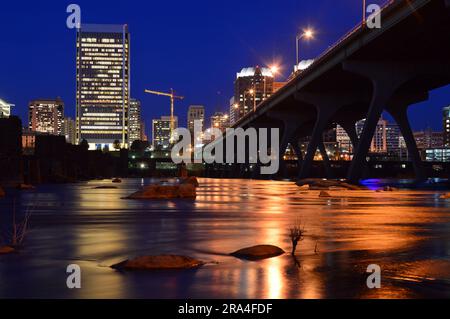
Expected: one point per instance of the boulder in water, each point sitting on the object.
(159, 263)
(191, 180)
(326, 184)
(106, 187)
(6, 250)
(324, 194)
(258, 252)
(158, 191)
(25, 187)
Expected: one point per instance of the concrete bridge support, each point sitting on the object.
(398, 108)
(387, 78)
(327, 105)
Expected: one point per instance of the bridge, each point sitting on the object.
(367, 72)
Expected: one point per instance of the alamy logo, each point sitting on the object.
(74, 279)
(74, 19)
(237, 146)
(374, 280)
(374, 18)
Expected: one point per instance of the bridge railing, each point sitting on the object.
(360, 26)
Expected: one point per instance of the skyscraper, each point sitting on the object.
(134, 121)
(196, 113)
(429, 139)
(5, 109)
(387, 139)
(46, 116)
(161, 132)
(446, 123)
(69, 130)
(103, 94)
(221, 121)
(252, 86)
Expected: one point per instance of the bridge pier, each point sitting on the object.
(398, 108)
(386, 80)
(327, 105)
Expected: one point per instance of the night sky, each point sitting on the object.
(196, 47)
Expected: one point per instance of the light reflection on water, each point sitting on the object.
(405, 232)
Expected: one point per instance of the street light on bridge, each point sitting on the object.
(306, 34)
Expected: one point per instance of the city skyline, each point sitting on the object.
(215, 87)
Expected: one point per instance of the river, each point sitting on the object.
(406, 233)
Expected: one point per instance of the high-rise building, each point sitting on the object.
(278, 85)
(221, 121)
(429, 139)
(343, 140)
(134, 121)
(161, 132)
(195, 113)
(234, 111)
(446, 123)
(252, 86)
(379, 141)
(46, 116)
(387, 139)
(5, 109)
(103, 86)
(70, 130)
(144, 136)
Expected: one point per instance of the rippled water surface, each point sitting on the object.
(407, 233)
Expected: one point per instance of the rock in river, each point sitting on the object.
(258, 252)
(6, 250)
(191, 180)
(159, 263)
(325, 184)
(160, 191)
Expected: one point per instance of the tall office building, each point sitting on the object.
(103, 86)
(134, 121)
(46, 116)
(5, 109)
(429, 139)
(387, 139)
(252, 86)
(196, 113)
(144, 136)
(161, 132)
(446, 122)
(234, 111)
(221, 121)
(70, 130)
(343, 140)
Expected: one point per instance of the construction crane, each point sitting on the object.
(173, 97)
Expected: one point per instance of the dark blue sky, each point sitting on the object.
(195, 46)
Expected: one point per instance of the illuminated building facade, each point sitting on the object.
(252, 86)
(429, 139)
(46, 116)
(70, 130)
(446, 122)
(103, 73)
(5, 109)
(161, 132)
(134, 121)
(221, 121)
(196, 113)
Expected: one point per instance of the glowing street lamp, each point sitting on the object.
(274, 69)
(307, 34)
